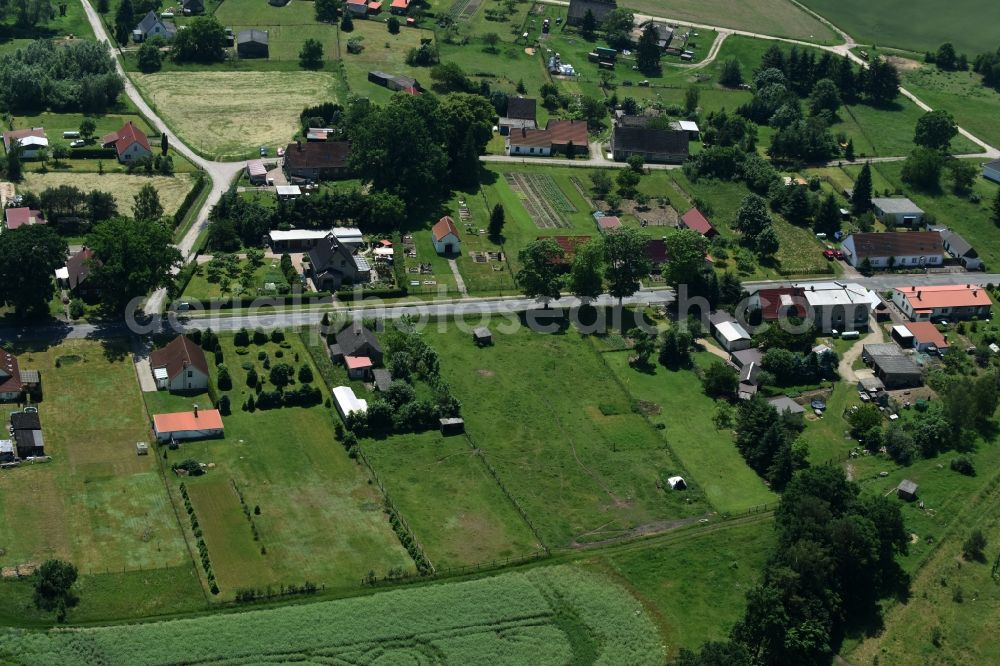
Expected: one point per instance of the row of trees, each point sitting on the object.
(78, 77)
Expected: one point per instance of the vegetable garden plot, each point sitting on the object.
(545, 202)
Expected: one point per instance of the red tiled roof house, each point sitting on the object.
(695, 221)
(952, 301)
(559, 136)
(180, 366)
(444, 234)
(129, 143)
(20, 217)
(11, 386)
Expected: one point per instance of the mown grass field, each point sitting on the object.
(320, 519)
(546, 616)
(288, 27)
(96, 504)
(73, 25)
(230, 114)
(917, 25)
(709, 455)
(779, 18)
(384, 52)
(974, 106)
(199, 288)
(123, 187)
(457, 511)
(561, 434)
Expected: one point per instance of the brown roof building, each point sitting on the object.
(892, 248)
(180, 366)
(558, 136)
(654, 145)
(325, 160)
(10, 377)
(599, 8)
(20, 217)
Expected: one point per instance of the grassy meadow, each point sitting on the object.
(381, 51)
(287, 27)
(228, 115)
(123, 187)
(974, 106)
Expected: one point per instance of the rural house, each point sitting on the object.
(779, 303)
(664, 33)
(962, 250)
(892, 366)
(907, 490)
(129, 143)
(196, 424)
(295, 240)
(730, 334)
(31, 141)
(991, 171)
(6, 451)
(695, 221)
(889, 249)
(599, 8)
(180, 366)
(19, 217)
(76, 271)
(399, 6)
(897, 211)
(257, 172)
(925, 337)
(837, 306)
(152, 25)
(26, 428)
(559, 136)
(357, 8)
(358, 367)
(320, 160)
(333, 264)
(655, 146)
(444, 235)
(251, 44)
(11, 387)
(520, 115)
(357, 340)
(607, 223)
(952, 301)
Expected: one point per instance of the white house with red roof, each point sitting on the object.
(950, 301)
(445, 236)
(20, 217)
(129, 143)
(30, 140)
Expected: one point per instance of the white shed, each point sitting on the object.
(347, 402)
(732, 336)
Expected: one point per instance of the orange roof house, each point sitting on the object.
(951, 301)
(197, 424)
(444, 235)
(926, 335)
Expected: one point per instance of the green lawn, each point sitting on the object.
(562, 435)
(73, 25)
(974, 106)
(709, 455)
(320, 518)
(456, 509)
(827, 438)
(917, 25)
(96, 504)
(288, 27)
(199, 288)
(383, 52)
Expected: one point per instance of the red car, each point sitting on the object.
(838, 254)
(829, 254)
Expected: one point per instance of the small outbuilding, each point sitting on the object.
(786, 405)
(445, 236)
(252, 44)
(382, 379)
(452, 426)
(482, 336)
(358, 367)
(141, 449)
(677, 483)
(907, 490)
(347, 402)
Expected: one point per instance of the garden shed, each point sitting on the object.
(482, 336)
(907, 490)
(452, 426)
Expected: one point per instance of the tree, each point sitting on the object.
(881, 82)
(311, 55)
(731, 75)
(849, 150)
(628, 182)
(54, 587)
(797, 206)
(148, 57)
(636, 163)
(963, 176)
(827, 218)
(202, 41)
(13, 168)
(687, 250)
(753, 221)
(625, 261)
(973, 548)
(164, 144)
(675, 348)
(347, 23)
(491, 39)
(466, 120)
(715, 654)
(617, 27)
(825, 97)
(691, 96)
(539, 274)
(28, 256)
(922, 168)
(601, 183)
(392, 25)
(935, 129)
(861, 196)
(147, 204)
(647, 52)
(584, 279)
(588, 26)
(124, 21)
(995, 209)
(497, 219)
(87, 128)
(326, 10)
(103, 7)
(131, 258)
(281, 374)
(719, 381)
(945, 57)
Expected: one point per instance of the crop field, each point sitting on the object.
(546, 616)
(561, 434)
(779, 18)
(320, 519)
(917, 25)
(123, 187)
(288, 27)
(230, 114)
(457, 511)
(974, 106)
(384, 52)
(709, 455)
(96, 504)
(541, 197)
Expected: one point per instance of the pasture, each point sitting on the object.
(287, 27)
(962, 94)
(716, 467)
(561, 434)
(123, 187)
(96, 503)
(454, 507)
(228, 115)
(779, 18)
(72, 26)
(384, 52)
(320, 519)
(544, 616)
(916, 25)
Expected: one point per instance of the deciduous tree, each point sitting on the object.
(131, 258)
(625, 261)
(935, 129)
(28, 257)
(585, 280)
(539, 274)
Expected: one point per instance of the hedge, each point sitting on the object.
(192, 196)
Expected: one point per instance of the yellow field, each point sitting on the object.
(230, 114)
(123, 187)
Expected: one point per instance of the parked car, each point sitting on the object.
(829, 254)
(79, 143)
(838, 254)
(263, 151)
